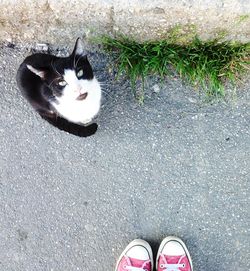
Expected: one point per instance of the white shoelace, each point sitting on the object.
(132, 268)
(172, 267)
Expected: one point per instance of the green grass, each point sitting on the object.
(206, 64)
(243, 18)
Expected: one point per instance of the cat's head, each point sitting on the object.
(70, 77)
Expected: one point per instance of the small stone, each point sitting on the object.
(42, 47)
(89, 227)
(158, 10)
(156, 88)
(11, 45)
(191, 100)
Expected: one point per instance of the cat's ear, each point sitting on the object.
(40, 73)
(79, 49)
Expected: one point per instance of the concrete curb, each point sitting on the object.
(62, 21)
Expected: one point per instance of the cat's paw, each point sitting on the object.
(86, 122)
(88, 130)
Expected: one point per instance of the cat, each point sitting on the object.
(64, 91)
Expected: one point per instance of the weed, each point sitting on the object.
(242, 19)
(208, 64)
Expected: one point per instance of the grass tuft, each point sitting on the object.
(208, 64)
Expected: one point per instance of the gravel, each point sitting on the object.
(173, 166)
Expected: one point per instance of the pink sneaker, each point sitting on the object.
(173, 256)
(137, 256)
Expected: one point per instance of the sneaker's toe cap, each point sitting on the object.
(173, 248)
(138, 252)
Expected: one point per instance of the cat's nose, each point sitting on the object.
(78, 89)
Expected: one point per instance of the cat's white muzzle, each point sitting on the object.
(83, 108)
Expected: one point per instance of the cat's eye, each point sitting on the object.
(62, 83)
(79, 73)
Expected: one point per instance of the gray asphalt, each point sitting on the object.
(174, 166)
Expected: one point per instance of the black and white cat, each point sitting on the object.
(64, 91)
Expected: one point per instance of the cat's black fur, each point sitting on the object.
(40, 92)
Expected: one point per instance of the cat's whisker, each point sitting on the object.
(54, 68)
(106, 93)
(103, 83)
(74, 61)
(78, 60)
(54, 81)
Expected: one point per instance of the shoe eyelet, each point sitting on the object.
(183, 265)
(161, 265)
(124, 266)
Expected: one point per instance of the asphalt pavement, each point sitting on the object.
(176, 165)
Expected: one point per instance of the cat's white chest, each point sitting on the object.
(80, 111)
